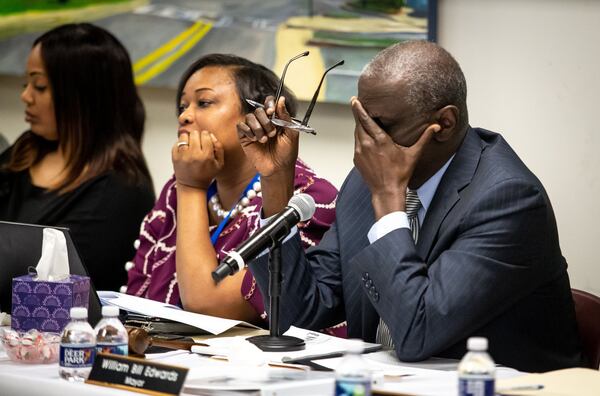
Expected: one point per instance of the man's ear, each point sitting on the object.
(446, 118)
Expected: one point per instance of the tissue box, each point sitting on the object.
(45, 305)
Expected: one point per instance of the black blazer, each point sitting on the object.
(103, 214)
(487, 263)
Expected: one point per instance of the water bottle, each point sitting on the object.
(111, 335)
(476, 370)
(77, 347)
(352, 377)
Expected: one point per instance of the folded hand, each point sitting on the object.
(197, 163)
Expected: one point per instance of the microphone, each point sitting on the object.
(301, 207)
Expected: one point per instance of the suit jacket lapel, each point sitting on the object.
(457, 176)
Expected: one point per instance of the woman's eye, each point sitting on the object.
(203, 103)
(37, 87)
(181, 108)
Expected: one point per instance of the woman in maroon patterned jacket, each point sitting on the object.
(214, 179)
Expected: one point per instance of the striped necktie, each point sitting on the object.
(413, 204)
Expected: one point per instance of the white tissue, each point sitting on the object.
(54, 263)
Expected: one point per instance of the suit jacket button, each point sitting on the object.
(375, 296)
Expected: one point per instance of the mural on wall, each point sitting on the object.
(165, 36)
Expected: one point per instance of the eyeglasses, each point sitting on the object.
(295, 123)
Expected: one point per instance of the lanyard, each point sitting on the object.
(212, 190)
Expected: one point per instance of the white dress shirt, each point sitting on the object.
(393, 221)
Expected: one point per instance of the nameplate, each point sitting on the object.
(137, 375)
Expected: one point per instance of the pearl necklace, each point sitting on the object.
(215, 203)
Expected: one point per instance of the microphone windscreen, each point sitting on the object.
(304, 205)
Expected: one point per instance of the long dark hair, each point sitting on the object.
(99, 115)
(253, 81)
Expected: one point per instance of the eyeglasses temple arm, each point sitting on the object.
(316, 95)
(280, 86)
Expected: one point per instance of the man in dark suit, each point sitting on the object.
(442, 232)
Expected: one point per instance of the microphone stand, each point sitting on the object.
(275, 342)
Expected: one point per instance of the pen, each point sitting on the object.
(395, 377)
(254, 103)
(280, 365)
(517, 388)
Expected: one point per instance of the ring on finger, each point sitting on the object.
(181, 144)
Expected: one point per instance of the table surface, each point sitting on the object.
(434, 376)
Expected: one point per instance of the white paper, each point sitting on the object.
(246, 380)
(434, 376)
(398, 378)
(157, 309)
(238, 348)
(54, 263)
(316, 344)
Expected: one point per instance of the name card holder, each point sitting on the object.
(137, 375)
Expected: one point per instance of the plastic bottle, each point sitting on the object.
(77, 347)
(476, 370)
(352, 377)
(111, 335)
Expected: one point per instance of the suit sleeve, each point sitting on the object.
(312, 279)
(496, 257)
(312, 285)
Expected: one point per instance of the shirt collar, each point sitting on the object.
(427, 189)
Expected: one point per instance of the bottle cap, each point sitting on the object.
(78, 313)
(355, 345)
(110, 310)
(477, 344)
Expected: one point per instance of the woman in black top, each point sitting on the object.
(81, 165)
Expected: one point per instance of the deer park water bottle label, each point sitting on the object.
(352, 387)
(475, 386)
(77, 356)
(115, 349)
